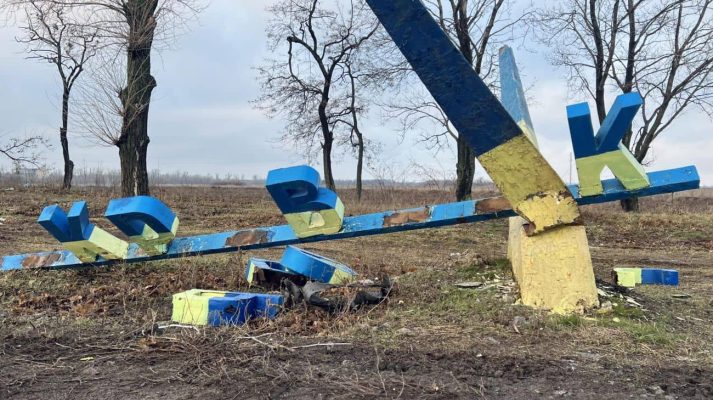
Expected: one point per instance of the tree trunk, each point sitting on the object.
(630, 205)
(465, 166)
(465, 170)
(327, 136)
(68, 164)
(360, 165)
(327, 162)
(136, 97)
(132, 157)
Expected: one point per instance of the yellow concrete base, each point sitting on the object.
(553, 269)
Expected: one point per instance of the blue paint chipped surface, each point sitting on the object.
(513, 96)
(237, 308)
(668, 181)
(131, 214)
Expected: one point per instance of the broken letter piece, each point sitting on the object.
(216, 308)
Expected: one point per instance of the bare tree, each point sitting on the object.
(663, 50)
(53, 36)
(100, 112)
(314, 85)
(22, 150)
(357, 107)
(132, 27)
(478, 27)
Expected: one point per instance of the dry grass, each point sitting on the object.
(95, 333)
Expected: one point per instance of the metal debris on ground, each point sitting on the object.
(630, 277)
(269, 274)
(612, 295)
(337, 298)
(216, 308)
(301, 277)
(468, 285)
(308, 278)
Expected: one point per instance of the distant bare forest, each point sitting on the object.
(101, 177)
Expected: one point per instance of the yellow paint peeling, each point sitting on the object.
(312, 223)
(154, 243)
(621, 163)
(528, 131)
(100, 243)
(530, 184)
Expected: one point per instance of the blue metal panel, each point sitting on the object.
(296, 189)
(512, 93)
(131, 214)
(472, 108)
(78, 218)
(67, 227)
(265, 265)
(617, 121)
(237, 308)
(580, 127)
(314, 266)
(54, 220)
(655, 276)
(361, 225)
(668, 181)
(267, 305)
(233, 309)
(610, 133)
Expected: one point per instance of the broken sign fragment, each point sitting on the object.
(316, 267)
(630, 277)
(269, 273)
(216, 308)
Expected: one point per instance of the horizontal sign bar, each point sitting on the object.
(674, 180)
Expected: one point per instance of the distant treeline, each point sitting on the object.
(112, 178)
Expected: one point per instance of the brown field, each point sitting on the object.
(86, 334)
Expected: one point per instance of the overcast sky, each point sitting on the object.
(202, 121)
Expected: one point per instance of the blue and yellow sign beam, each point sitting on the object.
(511, 159)
(361, 225)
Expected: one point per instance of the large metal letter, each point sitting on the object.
(80, 236)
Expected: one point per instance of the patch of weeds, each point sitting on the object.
(487, 271)
(649, 333)
(559, 322)
(501, 264)
(85, 322)
(624, 311)
(471, 271)
(692, 235)
(445, 303)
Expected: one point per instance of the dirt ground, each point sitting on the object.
(101, 333)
